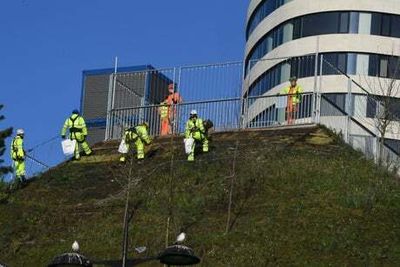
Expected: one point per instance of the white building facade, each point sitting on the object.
(356, 39)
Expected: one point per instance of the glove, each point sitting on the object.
(20, 155)
(63, 136)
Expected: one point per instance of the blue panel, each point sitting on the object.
(96, 123)
(121, 69)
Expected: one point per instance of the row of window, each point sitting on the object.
(265, 8)
(334, 63)
(326, 23)
(366, 106)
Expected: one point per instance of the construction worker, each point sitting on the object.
(293, 93)
(195, 129)
(18, 155)
(163, 110)
(138, 135)
(172, 99)
(77, 131)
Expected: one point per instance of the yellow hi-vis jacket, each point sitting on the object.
(195, 129)
(77, 128)
(294, 93)
(139, 131)
(164, 110)
(17, 148)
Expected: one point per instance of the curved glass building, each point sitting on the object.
(359, 38)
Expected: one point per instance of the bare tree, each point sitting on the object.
(383, 91)
(231, 189)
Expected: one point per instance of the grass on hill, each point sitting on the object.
(299, 197)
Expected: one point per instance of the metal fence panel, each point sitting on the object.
(278, 110)
(210, 82)
(226, 114)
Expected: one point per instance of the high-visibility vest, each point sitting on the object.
(139, 131)
(190, 124)
(17, 148)
(164, 109)
(76, 125)
(294, 94)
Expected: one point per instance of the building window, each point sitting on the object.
(321, 23)
(342, 62)
(383, 67)
(394, 67)
(376, 24)
(364, 26)
(344, 22)
(287, 32)
(338, 99)
(326, 23)
(395, 29)
(362, 64)
(354, 18)
(385, 30)
(373, 68)
(329, 69)
(371, 108)
(264, 9)
(285, 73)
(297, 28)
(350, 63)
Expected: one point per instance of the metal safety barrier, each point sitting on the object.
(278, 110)
(226, 114)
(148, 89)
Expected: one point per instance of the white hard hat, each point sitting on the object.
(20, 131)
(75, 246)
(193, 112)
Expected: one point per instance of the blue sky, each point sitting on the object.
(45, 45)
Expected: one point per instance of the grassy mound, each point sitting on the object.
(296, 197)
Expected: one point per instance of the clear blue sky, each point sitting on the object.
(45, 45)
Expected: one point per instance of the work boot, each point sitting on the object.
(190, 158)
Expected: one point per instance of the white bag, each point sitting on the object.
(68, 147)
(123, 148)
(189, 142)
